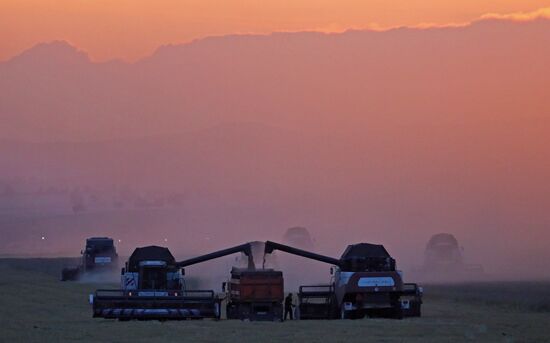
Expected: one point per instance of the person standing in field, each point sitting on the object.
(289, 306)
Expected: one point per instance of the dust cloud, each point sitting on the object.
(382, 137)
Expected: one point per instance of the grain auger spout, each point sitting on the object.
(244, 248)
(272, 246)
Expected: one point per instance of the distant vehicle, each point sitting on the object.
(299, 237)
(98, 255)
(443, 254)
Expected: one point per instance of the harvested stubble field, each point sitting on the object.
(35, 306)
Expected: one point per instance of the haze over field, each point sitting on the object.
(387, 137)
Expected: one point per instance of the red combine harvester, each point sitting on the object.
(365, 282)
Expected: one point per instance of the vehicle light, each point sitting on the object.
(130, 294)
(175, 294)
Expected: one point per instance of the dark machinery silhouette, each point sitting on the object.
(365, 282)
(98, 255)
(251, 293)
(153, 287)
(444, 255)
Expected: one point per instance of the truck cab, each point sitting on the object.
(100, 252)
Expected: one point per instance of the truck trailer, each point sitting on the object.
(255, 294)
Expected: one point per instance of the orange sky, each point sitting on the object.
(130, 29)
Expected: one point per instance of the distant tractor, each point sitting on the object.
(99, 255)
(365, 282)
(444, 255)
(153, 287)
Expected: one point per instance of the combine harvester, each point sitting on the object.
(444, 261)
(98, 256)
(153, 287)
(364, 282)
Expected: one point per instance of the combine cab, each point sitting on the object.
(255, 294)
(365, 282)
(152, 287)
(99, 255)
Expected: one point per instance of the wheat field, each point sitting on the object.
(36, 307)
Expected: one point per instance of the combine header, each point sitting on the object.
(99, 255)
(365, 282)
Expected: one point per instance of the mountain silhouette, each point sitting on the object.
(304, 81)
